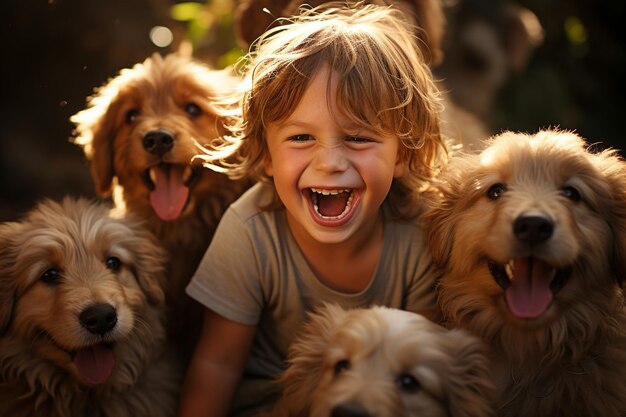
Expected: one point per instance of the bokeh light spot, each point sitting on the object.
(161, 36)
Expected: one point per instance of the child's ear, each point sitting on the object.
(267, 166)
(400, 168)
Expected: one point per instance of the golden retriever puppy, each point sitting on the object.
(384, 362)
(81, 316)
(141, 131)
(530, 237)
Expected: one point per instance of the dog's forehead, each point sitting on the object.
(64, 242)
(543, 157)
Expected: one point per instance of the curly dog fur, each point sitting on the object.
(81, 316)
(141, 131)
(384, 362)
(530, 236)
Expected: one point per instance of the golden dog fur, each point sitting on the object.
(531, 239)
(386, 363)
(81, 316)
(141, 131)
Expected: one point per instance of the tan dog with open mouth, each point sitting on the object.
(141, 131)
(531, 239)
(384, 362)
(82, 316)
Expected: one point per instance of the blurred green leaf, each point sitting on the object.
(186, 11)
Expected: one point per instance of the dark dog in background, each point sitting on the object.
(530, 237)
(82, 314)
(141, 131)
(487, 42)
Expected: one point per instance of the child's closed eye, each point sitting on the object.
(300, 138)
(358, 139)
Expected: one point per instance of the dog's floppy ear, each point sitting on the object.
(150, 259)
(95, 132)
(8, 294)
(306, 361)
(446, 204)
(614, 170)
(440, 227)
(470, 392)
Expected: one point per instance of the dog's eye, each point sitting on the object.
(495, 191)
(113, 263)
(571, 193)
(408, 383)
(193, 109)
(51, 276)
(131, 115)
(341, 366)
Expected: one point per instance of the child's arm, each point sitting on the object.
(216, 367)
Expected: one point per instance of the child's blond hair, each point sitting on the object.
(383, 83)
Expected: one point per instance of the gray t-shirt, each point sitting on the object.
(255, 274)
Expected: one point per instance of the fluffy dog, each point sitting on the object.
(531, 240)
(141, 131)
(81, 316)
(386, 363)
(254, 17)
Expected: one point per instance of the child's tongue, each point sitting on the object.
(332, 205)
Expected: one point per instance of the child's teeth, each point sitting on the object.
(315, 200)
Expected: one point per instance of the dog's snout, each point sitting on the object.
(350, 409)
(98, 318)
(533, 229)
(158, 142)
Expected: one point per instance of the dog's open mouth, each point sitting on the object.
(169, 186)
(331, 204)
(94, 363)
(529, 284)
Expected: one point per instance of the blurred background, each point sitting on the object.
(518, 65)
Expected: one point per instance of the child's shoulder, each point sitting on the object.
(252, 202)
(405, 232)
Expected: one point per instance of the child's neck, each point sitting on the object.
(348, 266)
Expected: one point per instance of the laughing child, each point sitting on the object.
(340, 123)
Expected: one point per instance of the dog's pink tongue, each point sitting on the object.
(529, 294)
(332, 205)
(170, 193)
(95, 364)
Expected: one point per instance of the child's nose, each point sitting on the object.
(331, 159)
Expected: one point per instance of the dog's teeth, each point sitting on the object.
(187, 173)
(509, 269)
(153, 176)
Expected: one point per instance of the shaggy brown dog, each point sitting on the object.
(140, 132)
(531, 240)
(253, 17)
(386, 363)
(81, 317)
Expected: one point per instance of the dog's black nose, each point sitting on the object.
(533, 229)
(349, 409)
(158, 142)
(98, 318)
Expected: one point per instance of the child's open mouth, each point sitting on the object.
(331, 204)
